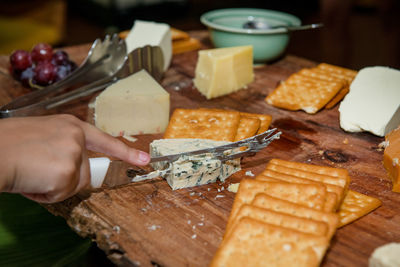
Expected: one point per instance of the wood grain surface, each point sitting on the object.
(148, 224)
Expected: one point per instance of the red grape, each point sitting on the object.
(42, 52)
(45, 73)
(41, 66)
(20, 60)
(60, 58)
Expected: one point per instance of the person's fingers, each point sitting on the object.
(99, 141)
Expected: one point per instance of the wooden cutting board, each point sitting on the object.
(148, 224)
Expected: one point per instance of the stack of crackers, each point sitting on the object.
(182, 42)
(313, 89)
(288, 214)
(216, 124)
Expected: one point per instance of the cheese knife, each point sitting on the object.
(116, 172)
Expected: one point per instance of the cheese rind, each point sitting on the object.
(189, 171)
(222, 71)
(373, 103)
(151, 33)
(391, 158)
(134, 105)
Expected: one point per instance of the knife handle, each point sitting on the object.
(98, 170)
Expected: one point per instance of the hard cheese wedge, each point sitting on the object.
(223, 70)
(391, 158)
(373, 103)
(190, 171)
(151, 33)
(134, 105)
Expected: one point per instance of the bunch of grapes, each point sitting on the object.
(42, 66)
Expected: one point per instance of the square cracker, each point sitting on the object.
(312, 196)
(355, 205)
(342, 174)
(338, 97)
(265, 120)
(331, 199)
(280, 219)
(302, 93)
(254, 243)
(280, 205)
(337, 190)
(248, 127)
(220, 125)
(337, 71)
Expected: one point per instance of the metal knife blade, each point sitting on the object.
(250, 146)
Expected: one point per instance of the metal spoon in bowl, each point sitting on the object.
(262, 25)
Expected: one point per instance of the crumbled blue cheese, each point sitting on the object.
(189, 171)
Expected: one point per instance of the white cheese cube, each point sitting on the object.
(190, 171)
(373, 103)
(134, 105)
(151, 33)
(222, 71)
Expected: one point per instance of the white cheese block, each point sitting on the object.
(373, 103)
(222, 71)
(386, 256)
(189, 171)
(134, 105)
(151, 33)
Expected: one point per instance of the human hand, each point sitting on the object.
(44, 158)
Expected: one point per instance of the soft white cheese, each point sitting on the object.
(386, 256)
(189, 171)
(373, 103)
(134, 105)
(151, 33)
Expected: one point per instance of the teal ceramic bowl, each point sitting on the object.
(226, 30)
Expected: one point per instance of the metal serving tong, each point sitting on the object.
(228, 152)
(106, 63)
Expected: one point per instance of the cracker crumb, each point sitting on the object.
(383, 144)
(249, 173)
(345, 141)
(153, 227)
(287, 247)
(116, 228)
(129, 138)
(233, 187)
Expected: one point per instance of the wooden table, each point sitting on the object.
(149, 224)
